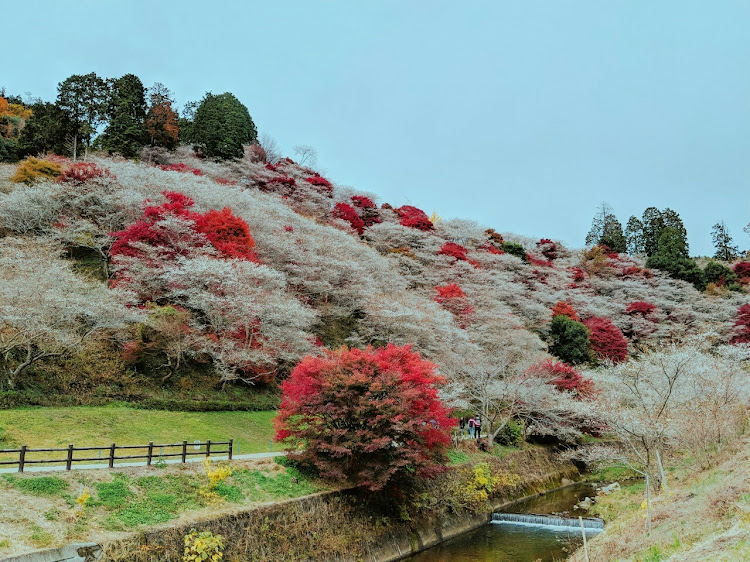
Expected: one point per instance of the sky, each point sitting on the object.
(522, 116)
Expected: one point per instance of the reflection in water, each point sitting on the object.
(516, 543)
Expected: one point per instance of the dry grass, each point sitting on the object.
(706, 517)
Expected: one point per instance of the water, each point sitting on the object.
(517, 543)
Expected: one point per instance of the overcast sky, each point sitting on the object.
(523, 116)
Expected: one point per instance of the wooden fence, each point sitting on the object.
(109, 454)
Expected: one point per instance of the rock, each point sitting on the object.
(585, 504)
(607, 490)
(566, 482)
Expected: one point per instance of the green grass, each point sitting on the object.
(259, 486)
(115, 494)
(103, 425)
(456, 457)
(40, 537)
(38, 485)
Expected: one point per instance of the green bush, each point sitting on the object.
(511, 435)
(714, 272)
(515, 250)
(569, 340)
(8, 150)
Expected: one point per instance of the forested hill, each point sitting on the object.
(175, 267)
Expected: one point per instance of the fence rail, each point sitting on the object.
(150, 452)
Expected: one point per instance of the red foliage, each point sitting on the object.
(578, 274)
(182, 168)
(606, 339)
(493, 250)
(564, 377)
(414, 218)
(641, 308)
(537, 262)
(367, 209)
(548, 248)
(453, 250)
(228, 233)
(742, 326)
(635, 271)
(369, 418)
(742, 269)
(347, 213)
(81, 172)
(225, 181)
(320, 182)
(271, 167)
(454, 300)
(562, 308)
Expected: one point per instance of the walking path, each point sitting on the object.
(104, 464)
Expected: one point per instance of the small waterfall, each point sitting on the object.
(591, 524)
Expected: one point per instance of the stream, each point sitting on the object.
(517, 543)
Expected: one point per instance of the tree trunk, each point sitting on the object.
(75, 147)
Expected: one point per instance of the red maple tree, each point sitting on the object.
(347, 213)
(562, 308)
(606, 339)
(369, 418)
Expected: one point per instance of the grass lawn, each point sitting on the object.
(102, 425)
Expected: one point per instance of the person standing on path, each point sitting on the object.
(478, 427)
(471, 427)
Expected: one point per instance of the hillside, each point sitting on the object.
(332, 269)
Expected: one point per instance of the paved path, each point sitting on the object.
(104, 464)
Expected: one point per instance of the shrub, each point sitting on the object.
(562, 308)
(548, 248)
(564, 377)
(32, 170)
(347, 213)
(569, 340)
(742, 271)
(368, 418)
(512, 435)
(641, 308)
(515, 250)
(182, 168)
(453, 250)
(320, 182)
(81, 172)
(719, 274)
(228, 233)
(606, 339)
(414, 218)
(742, 326)
(454, 300)
(367, 209)
(203, 546)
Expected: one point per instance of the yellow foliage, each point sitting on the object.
(82, 501)
(32, 169)
(594, 260)
(435, 218)
(481, 484)
(18, 110)
(203, 546)
(215, 475)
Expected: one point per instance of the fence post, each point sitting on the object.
(208, 448)
(112, 456)
(21, 458)
(70, 457)
(231, 443)
(150, 453)
(184, 451)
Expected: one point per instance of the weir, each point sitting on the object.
(591, 524)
